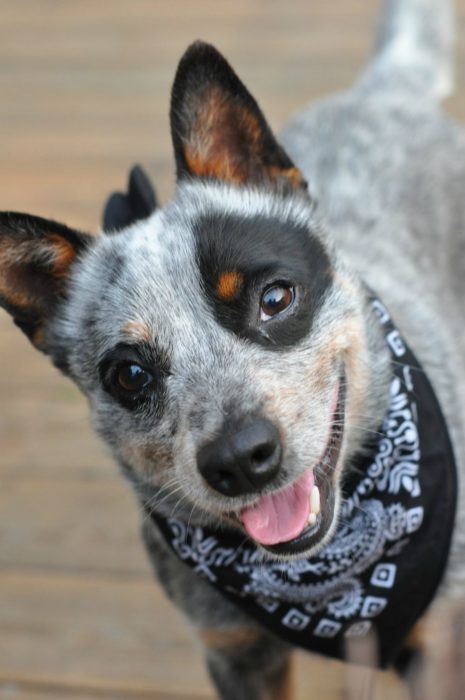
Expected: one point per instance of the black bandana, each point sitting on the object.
(384, 563)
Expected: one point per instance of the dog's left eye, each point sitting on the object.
(133, 378)
(276, 299)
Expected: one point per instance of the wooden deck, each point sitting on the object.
(84, 93)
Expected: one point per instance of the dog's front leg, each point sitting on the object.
(246, 664)
(244, 660)
(433, 660)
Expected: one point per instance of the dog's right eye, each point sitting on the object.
(132, 378)
(276, 299)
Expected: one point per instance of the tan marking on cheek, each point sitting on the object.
(159, 455)
(346, 344)
(324, 365)
(147, 459)
(347, 284)
(218, 638)
(134, 455)
(354, 351)
(355, 357)
(352, 337)
(229, 285)
(285, 405)
(137, 330)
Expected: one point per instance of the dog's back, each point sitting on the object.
(387, 168)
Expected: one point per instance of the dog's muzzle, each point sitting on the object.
(245, 458)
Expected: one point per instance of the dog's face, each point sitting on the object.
(228, 357)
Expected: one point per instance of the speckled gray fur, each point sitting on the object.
(387, 170)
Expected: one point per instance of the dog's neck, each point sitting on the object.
(379, 569)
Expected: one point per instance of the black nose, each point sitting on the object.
(243, 461)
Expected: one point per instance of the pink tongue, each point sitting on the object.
(282, 516)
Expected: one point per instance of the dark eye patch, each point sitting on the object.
(135, 375)
(240, 257)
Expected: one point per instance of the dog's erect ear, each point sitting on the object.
(217, 127)
(36, 256)
(125, 208)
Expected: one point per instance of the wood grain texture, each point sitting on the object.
(84, 93)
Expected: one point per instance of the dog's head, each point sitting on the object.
(229, 358)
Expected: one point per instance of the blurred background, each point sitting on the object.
(84, 94)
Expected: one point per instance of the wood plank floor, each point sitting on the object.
(84, 92)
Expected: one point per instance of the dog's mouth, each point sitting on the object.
(297, 518)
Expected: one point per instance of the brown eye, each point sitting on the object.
(133, 378)
(276, 299)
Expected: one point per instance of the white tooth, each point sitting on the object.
(315, 500)
(312, 519)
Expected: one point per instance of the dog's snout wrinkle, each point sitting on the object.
(242, 461)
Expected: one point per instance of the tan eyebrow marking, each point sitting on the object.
(229, 285)
(137, 330)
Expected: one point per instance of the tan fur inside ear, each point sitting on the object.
(62, 253)
(226, 142)
(12, 292)
(35, 261)
(23, 302)
(51, 249)
(220, 132)
(20, 287)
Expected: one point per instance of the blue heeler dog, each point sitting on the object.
(260, 354)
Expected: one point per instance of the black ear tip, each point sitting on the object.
(200, 51)
(10, 221)
(139, 202)
(200, 63)
(117, 213)
(141, 192)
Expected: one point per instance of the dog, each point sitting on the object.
(275, 356)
